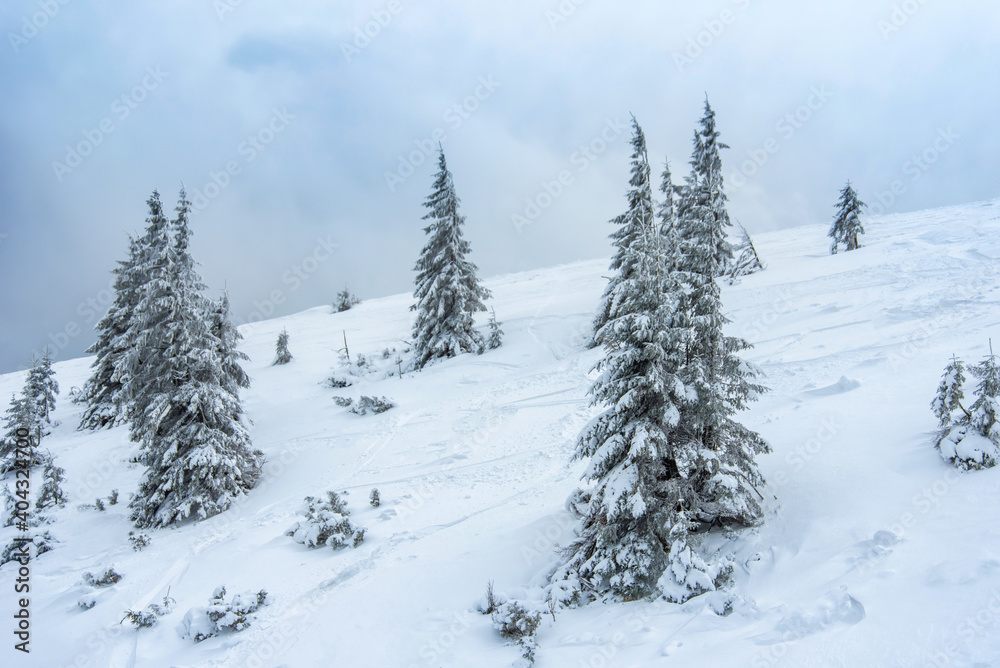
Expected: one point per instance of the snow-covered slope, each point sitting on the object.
(875, 552)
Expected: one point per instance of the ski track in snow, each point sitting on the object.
(873, 553)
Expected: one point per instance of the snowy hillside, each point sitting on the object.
(874, 551)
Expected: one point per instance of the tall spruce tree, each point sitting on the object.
(185, 406)
(667, 456)
(667, 213)
(102, 393)
(635, 228)
(448, 292)
(847, 226)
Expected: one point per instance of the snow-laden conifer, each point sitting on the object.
(42, 387)
(495, 339)
(847, 225)
(281, 354)
(448, 292)
(187, 415)
(950, 392)
(746, 260)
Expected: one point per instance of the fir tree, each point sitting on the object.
(634, 229)
(21, 414)
(281, 355)
(667, 213)
(950, 393)
(985, 410)
(42, 387)
(496, 334)
(448, 292)
(51, 493)
(186, 410)
(666, 455)
(847, 226)
(345, 300)
(103, 390)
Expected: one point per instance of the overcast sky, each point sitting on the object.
(302, 130)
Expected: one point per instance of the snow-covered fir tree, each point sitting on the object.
(985, 409)
(950, 392)
(847, 226)
(102, 391)
(666, 455)
(448, 292)
(51, 493)
(632, 228)
(42, 387)
(345, 301)
(495, 339)
(970, 439)
(281, 354)
(747, 261)
(186, 409)
(20, 414)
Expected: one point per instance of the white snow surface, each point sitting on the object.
(870, 554)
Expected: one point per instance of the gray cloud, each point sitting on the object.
(564, 70)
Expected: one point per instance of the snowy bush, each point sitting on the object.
(689, 575)
(326, 523)
(338, 382)
(345, 300)
(33, 545)
(99, 504)
(343, 402)
(374, 499)
(367, 405)
(105, 579)
(51, 493)
(138, 540)
(221, 616)
(150, 615)
(970, 441)
(113, 497)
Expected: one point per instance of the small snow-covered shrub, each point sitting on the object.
(87, 602)
(113, 497)
(345, 300)
(518, 624)
(376, 405)
(150, 615)
(338, 382)
(326, 523)
(33, 545)
(51, 493)
(221, 616)
(969, 439)
(689, 575)
(105, 579)
(99, 504)
(343, 402)
(374, 499)
(138, 540)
